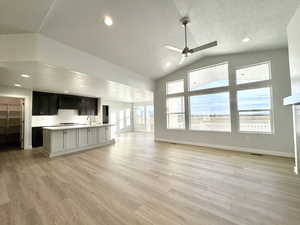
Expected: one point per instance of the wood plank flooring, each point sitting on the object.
(140, 182)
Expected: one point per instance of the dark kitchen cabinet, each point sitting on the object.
(105, 114)
(88, 106)
(53, 104)
(48, 104)
(37, 137)
(69, 102)
(44, 104)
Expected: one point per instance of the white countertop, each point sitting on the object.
(76, 126)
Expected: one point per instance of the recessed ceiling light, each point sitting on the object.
(17, 85)
(168, 64)
(108, 21)
(25, 75)
(246, 39)
(66, 92)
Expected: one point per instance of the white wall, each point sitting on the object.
(279, 143)
(294, 58)
(27, 95)
(115, 108)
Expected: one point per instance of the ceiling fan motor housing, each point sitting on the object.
(185, 20)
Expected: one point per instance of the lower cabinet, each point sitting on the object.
(82, 137)
(57, 140)
(93, 135)
(102, 135)
(70, 139)
(108, 133)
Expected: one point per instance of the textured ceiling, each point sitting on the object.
(142, 27)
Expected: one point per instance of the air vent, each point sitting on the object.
(256, 154)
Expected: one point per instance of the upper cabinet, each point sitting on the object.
(88, 106)
(49, 103)
(44, 104)
(68, 102)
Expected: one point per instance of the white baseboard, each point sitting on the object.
(232, 148)
(27, 147)
(296, 170)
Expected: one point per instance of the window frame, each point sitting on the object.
(206, 67)
(255, 85)
(209, 93)
(122, 112)
(173, 81)
(252, 65)
(128, 118)
(167, 113)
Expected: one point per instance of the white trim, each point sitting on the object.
(28, 147)
(296, 170)
(231, 148)
(295, 140)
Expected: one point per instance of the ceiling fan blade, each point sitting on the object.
(172, 48)
(206, 46)
(182, 59)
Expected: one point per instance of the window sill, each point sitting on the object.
(211, 131)
(256, 132)
(178, 129)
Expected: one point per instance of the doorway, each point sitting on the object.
(11, 123)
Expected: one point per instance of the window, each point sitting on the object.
(259, 72)
(139, 112)
(128, 117)
(254, 107)
(114, 131)
(175, 113)
(210, 112)
(121, 120)
(174, 87)
(209, 77)
(150, 117)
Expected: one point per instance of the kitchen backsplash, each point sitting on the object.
(64, 116)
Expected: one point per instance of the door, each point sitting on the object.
(57, 140)
(43, 103)
(108, 133)
(70, 139)
(82, 137)
(102, 135)
(92, 136)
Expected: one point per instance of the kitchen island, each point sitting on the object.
(61, 140)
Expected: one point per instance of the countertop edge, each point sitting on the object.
(76, 127)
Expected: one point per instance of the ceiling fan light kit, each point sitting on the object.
(187, 51)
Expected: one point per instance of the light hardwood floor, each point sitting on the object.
(137, 181)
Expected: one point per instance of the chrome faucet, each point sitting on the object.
(89, 119)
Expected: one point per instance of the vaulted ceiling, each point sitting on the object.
(141, 27)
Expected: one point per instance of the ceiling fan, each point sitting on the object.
(187, 51)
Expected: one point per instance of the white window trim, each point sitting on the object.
(202, 68)
(208, 91)
(174, 81)
(167, 113)
(213, 131)
(256, 85)
(252, 65)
